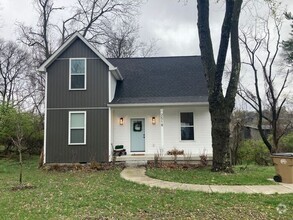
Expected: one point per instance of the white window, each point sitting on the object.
(77, 128)
(187, 126)
(77, 74)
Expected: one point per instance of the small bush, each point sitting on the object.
(203, 159)
(158, 157)
(255, 152)
(174, 152)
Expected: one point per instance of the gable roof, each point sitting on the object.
(64, 46)
(156, 80)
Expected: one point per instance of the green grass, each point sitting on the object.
(104, 195)
(252, 175)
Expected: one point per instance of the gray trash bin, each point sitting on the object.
(284, 166)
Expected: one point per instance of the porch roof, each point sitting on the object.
(160, 80)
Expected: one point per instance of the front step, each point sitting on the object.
(135, 163)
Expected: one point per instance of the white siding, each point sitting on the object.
(172, 135)
(112, 86)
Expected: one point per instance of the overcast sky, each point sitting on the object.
(171, 22)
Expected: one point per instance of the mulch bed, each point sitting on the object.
(172, 165)
(88, 167)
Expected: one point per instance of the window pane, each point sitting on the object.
(77, 82)
(186, 119)
(77, 136)
(77, 120)
(78, 66)
(187, 133)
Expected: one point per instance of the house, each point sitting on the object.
(144, 104)
(251, 131)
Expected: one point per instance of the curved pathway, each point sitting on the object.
(137, 175)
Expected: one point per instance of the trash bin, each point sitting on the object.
(284, 167)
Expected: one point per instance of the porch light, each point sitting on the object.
(121, 121)
(153, 120)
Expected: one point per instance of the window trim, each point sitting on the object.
(193, 126)
(69, 127)
(85, 73)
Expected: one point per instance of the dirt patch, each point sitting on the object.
(22, 187)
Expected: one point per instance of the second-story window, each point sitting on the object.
(77, 74)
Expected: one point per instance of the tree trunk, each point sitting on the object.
(20, 164)
(220, 106)
(220, 137)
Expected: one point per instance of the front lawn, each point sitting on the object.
(104, 195)
(250, 175)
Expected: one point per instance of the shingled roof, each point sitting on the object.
(160, 80)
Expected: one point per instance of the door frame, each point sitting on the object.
(130, 134)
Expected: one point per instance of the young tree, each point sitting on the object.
(220, 105)
(262, 49)
(15, 126)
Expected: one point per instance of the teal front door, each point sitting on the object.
(137, 133)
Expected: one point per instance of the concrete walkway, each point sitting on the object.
(137, 175)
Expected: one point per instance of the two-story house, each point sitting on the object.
(146, 104)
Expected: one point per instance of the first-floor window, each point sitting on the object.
(77, 128)
(187, 126)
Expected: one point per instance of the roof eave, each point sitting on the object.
(115, 71)
(158, 104)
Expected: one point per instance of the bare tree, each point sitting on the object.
(238, 119)
(123, 41)
(93, 17)
(42, 44)
(14, 67)
(262, 49)
(220, 105)
(39, 38)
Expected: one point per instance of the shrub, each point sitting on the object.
(286, 143)
(253, 151)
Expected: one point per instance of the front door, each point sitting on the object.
(137, 133)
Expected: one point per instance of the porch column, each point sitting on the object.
(162, 127)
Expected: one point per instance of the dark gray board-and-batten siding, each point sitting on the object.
(61, 100)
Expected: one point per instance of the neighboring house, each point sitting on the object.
(145, 104)
(251, 131)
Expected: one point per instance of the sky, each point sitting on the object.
(172, 23)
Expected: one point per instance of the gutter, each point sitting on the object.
(158, 104)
